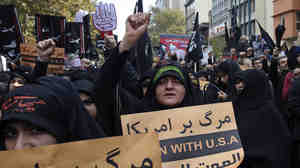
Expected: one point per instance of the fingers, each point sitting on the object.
(47, 52)
(42, 45)
(46, 48)
(109, 41)
(138, 20)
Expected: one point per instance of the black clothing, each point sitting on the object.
(233, 41)
(277, 79)
(292, 55)
(294, 108)
(207, 90)
(264, 134)
(228, 67)
(29, 75)
(294, 111)
(84, 86)
(51, 103)
(112, 99)
(149, 103)
(208, 93)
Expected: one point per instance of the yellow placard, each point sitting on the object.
(200, 136)
(56, 63)
(140, 151)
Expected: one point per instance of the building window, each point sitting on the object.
(298, 21)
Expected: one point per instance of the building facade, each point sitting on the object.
(288, 10)
(170, 4)
(218, 15)
(248, 11)
(194, 6)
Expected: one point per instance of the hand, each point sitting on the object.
(222, 95)
(109, 41)
(136, 26)
(105, 18)
(45, 49)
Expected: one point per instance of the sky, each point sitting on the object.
(124, 9)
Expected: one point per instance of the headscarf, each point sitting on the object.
(229, 67)
(264, 133)
(53, 104)
(149, 103)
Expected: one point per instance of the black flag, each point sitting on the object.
(279, 32)
(135, 8)
(50, 27)
(143, 49)
(140, 6)
(90, 51)
(74, 38)
(10, 32)
(266, 37)
(194, 50)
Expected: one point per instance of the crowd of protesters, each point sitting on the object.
(263, 84)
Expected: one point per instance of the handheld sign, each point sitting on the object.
(56, 63)
(140, 151)
(200, 136)
(105, 18)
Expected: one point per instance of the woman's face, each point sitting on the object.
(170, 91)
(22, 135)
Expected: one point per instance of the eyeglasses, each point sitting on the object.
(166, 80)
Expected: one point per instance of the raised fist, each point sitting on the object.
(45, 49)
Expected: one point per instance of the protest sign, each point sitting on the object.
(192, 137)
(105, 18)
(141, 151)
(56, 63)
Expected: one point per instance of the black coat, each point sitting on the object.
(112, 97)
(264, 134)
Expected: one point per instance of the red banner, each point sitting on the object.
(175, 43)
